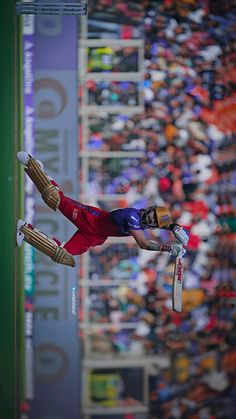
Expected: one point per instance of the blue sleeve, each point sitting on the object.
(134, 221)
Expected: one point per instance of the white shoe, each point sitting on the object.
(23, 158)
(19, 235)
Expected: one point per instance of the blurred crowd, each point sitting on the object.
(105, 93)
(186, 137)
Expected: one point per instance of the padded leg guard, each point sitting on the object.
(47, 246)
(48, 191)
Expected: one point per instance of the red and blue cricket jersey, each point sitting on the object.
(96, 225)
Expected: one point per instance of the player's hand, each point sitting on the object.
(180, 233)
(175, 249)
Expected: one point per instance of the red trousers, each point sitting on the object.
(94, 225)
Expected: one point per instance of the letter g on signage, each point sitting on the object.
(51, 362)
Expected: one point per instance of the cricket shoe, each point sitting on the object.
(24, 157)
(19, 235)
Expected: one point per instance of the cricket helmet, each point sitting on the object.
(163, 217)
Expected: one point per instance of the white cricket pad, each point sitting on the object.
(48, 191)
(44, 244)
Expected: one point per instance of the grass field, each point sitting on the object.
(11, 303)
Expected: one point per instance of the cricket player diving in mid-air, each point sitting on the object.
(93, 224)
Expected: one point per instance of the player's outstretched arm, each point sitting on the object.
(145, 244)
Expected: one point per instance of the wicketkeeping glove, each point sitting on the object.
(180, 233)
